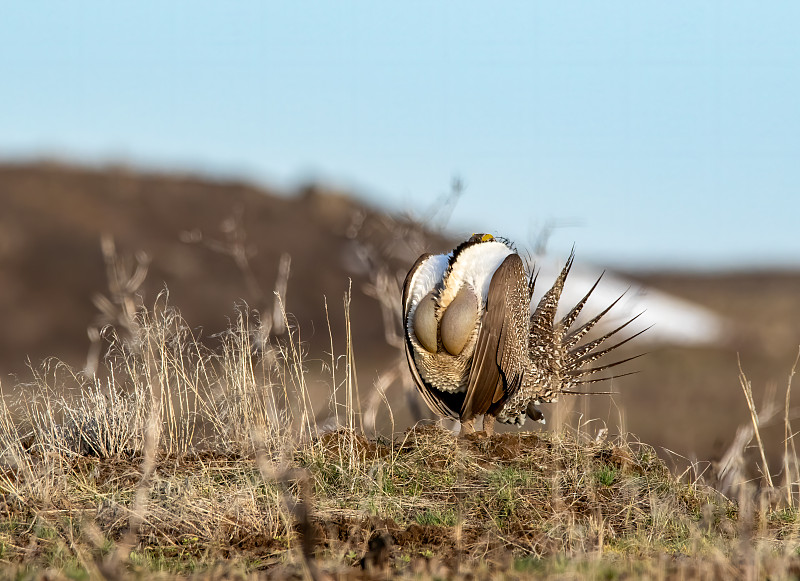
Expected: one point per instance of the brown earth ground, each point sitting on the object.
(424, 506)
(214, 243)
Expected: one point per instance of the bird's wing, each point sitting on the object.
(435, 400)
(496, 364)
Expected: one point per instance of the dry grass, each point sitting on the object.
(173, 458)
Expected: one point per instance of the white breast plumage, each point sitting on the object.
(475, 265)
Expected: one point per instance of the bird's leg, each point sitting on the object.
(467, 427)
(488, 425)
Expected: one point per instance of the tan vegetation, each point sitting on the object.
(177, 458)
(247, 454)
(214, 242)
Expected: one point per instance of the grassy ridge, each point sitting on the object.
(512, 503)
(179, 459)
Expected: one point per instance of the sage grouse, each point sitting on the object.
(474, 346)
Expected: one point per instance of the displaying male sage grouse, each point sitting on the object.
(474, 346)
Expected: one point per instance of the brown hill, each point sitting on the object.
(214, 244)
(211, 243)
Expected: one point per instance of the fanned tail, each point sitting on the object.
(572, 315)
(575, 336)
(577, 362)
(586, 371)
(583, 353)
(543, 329)
(559, 359)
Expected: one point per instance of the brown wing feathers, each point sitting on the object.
(496, 370)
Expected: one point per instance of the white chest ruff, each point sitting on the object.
(474, 266)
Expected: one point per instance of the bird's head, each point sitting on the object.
(480, 238)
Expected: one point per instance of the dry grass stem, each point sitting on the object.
(748, 394)
(174, 458)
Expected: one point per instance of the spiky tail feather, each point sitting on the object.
(556, 352)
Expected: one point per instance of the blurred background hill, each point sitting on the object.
(226, 151)
(215, 244)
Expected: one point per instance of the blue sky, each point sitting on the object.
(651, 134)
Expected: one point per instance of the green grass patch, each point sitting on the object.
(439, 518)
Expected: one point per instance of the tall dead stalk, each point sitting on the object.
(748, 394)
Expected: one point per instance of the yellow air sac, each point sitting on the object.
(425, 323)
(458, 321)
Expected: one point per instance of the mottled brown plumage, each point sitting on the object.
(490, 355)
